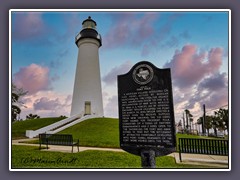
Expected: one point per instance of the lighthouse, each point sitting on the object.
(87, 92)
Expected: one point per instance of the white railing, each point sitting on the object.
(72, 123)
(31, 133)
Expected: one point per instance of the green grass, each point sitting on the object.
(178, 135)
(19, 128)
(99, 132)
(31, 157)
(193, 137)
(103, 132)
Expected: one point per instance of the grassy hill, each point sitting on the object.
(97, 132)
(101, 132)
(19, 128)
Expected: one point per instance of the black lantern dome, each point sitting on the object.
(89, 31)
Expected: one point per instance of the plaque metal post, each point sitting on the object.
(148, 159)
(146, 113)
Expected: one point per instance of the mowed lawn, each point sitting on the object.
(19, 128)
(31, 157)
(98, 132)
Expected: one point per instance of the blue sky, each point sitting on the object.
(193, 44)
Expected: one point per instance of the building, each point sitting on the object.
(87, 93)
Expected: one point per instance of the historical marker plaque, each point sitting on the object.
(146, 116)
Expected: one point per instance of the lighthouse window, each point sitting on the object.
(89, 24)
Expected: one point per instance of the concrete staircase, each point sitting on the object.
(59, 126)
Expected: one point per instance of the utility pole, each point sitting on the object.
(204, 119)
(183, 123)
(187, 113)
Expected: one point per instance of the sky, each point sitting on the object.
(194, 44)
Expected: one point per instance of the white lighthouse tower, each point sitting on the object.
(87, 94)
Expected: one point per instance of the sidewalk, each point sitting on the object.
(202, 159)
(66, 149)
(196, 159)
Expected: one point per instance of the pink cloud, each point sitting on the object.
(197, 79)
(216, 87)
(46, 104)
(129, 29)
(144, 27)
(28, 25)
(111, 77)
(137, 30)
(32, 78)
(189, 67)
(214, 83)
(217, 99)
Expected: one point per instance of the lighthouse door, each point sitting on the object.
(87, 108)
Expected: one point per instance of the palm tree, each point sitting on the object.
(179, 126)
(200, 121)
(184, 126)
(191, 121)
(189, 118)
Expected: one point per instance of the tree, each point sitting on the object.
(191, 121)
(16, 103)
(63, 116)
(184, 127)
(199, 121)
(32, 116)
(179, 126)
(208, 123)
(222, 116)
(215, 124)
(15, 112)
